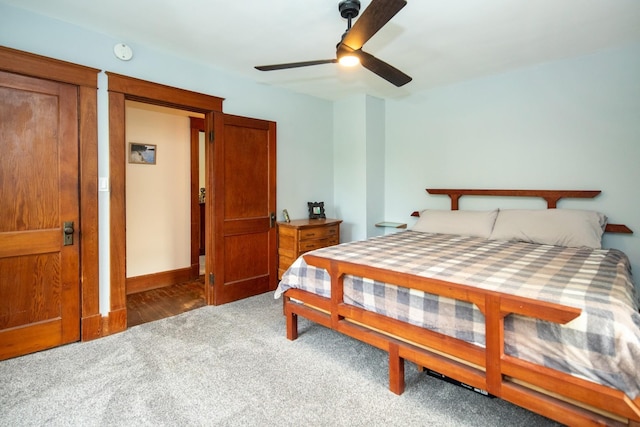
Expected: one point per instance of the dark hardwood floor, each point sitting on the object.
(155, 304)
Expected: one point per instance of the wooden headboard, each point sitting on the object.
(551, 196)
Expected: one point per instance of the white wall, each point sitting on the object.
(158, 198)
(571, 124)
(304, 124)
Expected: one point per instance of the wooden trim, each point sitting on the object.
(123, 88)
(197, 123)
(115, 322)
(86, 79)
(117, 216)
(157, 280)
(167, 96)
(195, 270)
(196, 126)
(273, 177)
(214, 211)
(89, 248)
(29, 64)
(91, 327)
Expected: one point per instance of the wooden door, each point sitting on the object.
(244, 204)
(39, 276)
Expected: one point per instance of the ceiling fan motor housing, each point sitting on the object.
(349, 8)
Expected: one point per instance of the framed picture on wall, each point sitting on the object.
(316, 210)
(144, 154)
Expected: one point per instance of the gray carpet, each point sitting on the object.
(232, 366)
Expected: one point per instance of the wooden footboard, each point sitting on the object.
(551, 393)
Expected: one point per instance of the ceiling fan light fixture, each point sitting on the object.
(349, 49)
(349, 60)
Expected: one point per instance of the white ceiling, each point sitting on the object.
(435, 41)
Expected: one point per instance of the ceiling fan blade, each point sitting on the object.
(294, 65)
(384, 70)
(375, 16)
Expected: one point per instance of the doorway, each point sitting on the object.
(121, 89)
(164, 243)
(239, 211)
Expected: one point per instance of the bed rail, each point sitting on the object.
(554, 394)
(552, 197)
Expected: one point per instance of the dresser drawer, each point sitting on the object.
(319, 232)
(299, 236)
(309, 245)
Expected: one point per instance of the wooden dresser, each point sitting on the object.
(304, 235)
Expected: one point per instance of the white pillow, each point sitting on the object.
(558, 227)
(464, 223)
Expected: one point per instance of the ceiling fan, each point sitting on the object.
(349, 48)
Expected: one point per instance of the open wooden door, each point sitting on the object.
(39, 212)
(244, 205)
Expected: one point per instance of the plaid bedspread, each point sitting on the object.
(601, 345)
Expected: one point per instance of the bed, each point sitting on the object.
(549, 325)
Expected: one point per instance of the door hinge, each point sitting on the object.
(211, 279)
(210, 136)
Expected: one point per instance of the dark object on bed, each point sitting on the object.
(494, 365)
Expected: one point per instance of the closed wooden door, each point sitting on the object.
(39, 275)
(244, 203)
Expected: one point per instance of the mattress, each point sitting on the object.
(601, 345)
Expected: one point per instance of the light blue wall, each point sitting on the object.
(305, 128)
(358, 165)
(350, 166)
(375, 159)
(570, 124)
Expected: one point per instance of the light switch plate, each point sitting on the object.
(103, 183)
